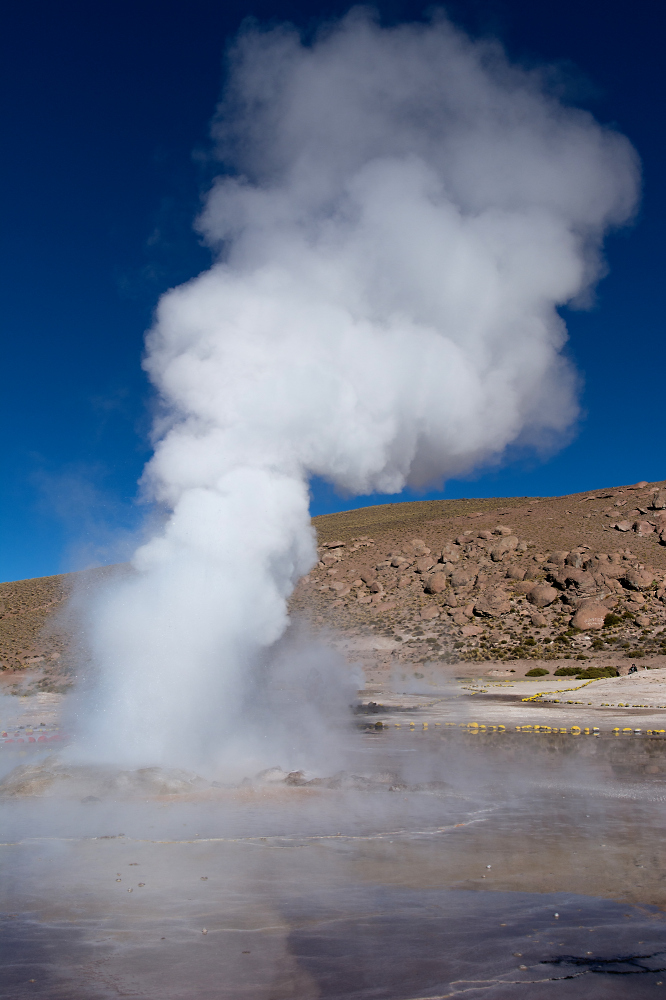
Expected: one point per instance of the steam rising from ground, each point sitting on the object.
(401, 212)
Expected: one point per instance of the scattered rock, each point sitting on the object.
(423, 564)
(643, 621)
(542, 595)
(509, 543)
(643, 527)
(638, 486)
(428, 614)
(637, 579)
(492, 604)
(450, 600)
(468, 630)
(486, 535)
(463, 577)
(436, 584)
(623, 526)
(590, 615)
(558, 558)
(516, 573)
(538, 620)
(368, 576)
(659, 501)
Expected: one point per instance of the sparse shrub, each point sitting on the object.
(537, 672)
(611, 620)
(567, 671)
(593, 673)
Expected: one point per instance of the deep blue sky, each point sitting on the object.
(106, 111)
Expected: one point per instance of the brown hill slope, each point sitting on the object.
(453, 579)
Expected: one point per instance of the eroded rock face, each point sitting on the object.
(590, 615)
(492, 604)
(542, 595)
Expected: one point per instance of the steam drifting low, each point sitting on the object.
(399, 214)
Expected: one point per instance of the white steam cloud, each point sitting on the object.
(401, 213)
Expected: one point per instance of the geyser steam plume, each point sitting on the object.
(400, 213)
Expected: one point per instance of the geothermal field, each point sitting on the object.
(407, 752)
(487, 818)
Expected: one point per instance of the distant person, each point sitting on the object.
(633, 669)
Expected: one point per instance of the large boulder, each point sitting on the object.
(516, 573)
(590, 615)
(424, 563)
(492, 604)
(569, 576)
(542, 595)
(463, 577)
(509, 543)
(436, 584)
(637, 579)
(659, 501)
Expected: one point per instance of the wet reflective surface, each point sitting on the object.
(449, 866)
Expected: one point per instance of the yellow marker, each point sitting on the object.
(517, 729)
(587, 731)
(563, 731)
(616, 729)
(501, 727)
(627, 729)
(438, 723)
(397, 725)
(575, 730)
(425, 725)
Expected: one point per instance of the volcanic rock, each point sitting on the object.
(659, 501)
(623, 525)
(538, 620)
(492, 604)
(542, 595)
(436, 584)
(463, 577)
(643, 527)
(637, 579)
(509, 543)
(590, 615)
(516, 573)
(423, 564)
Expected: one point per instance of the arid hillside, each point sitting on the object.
(513, 581)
